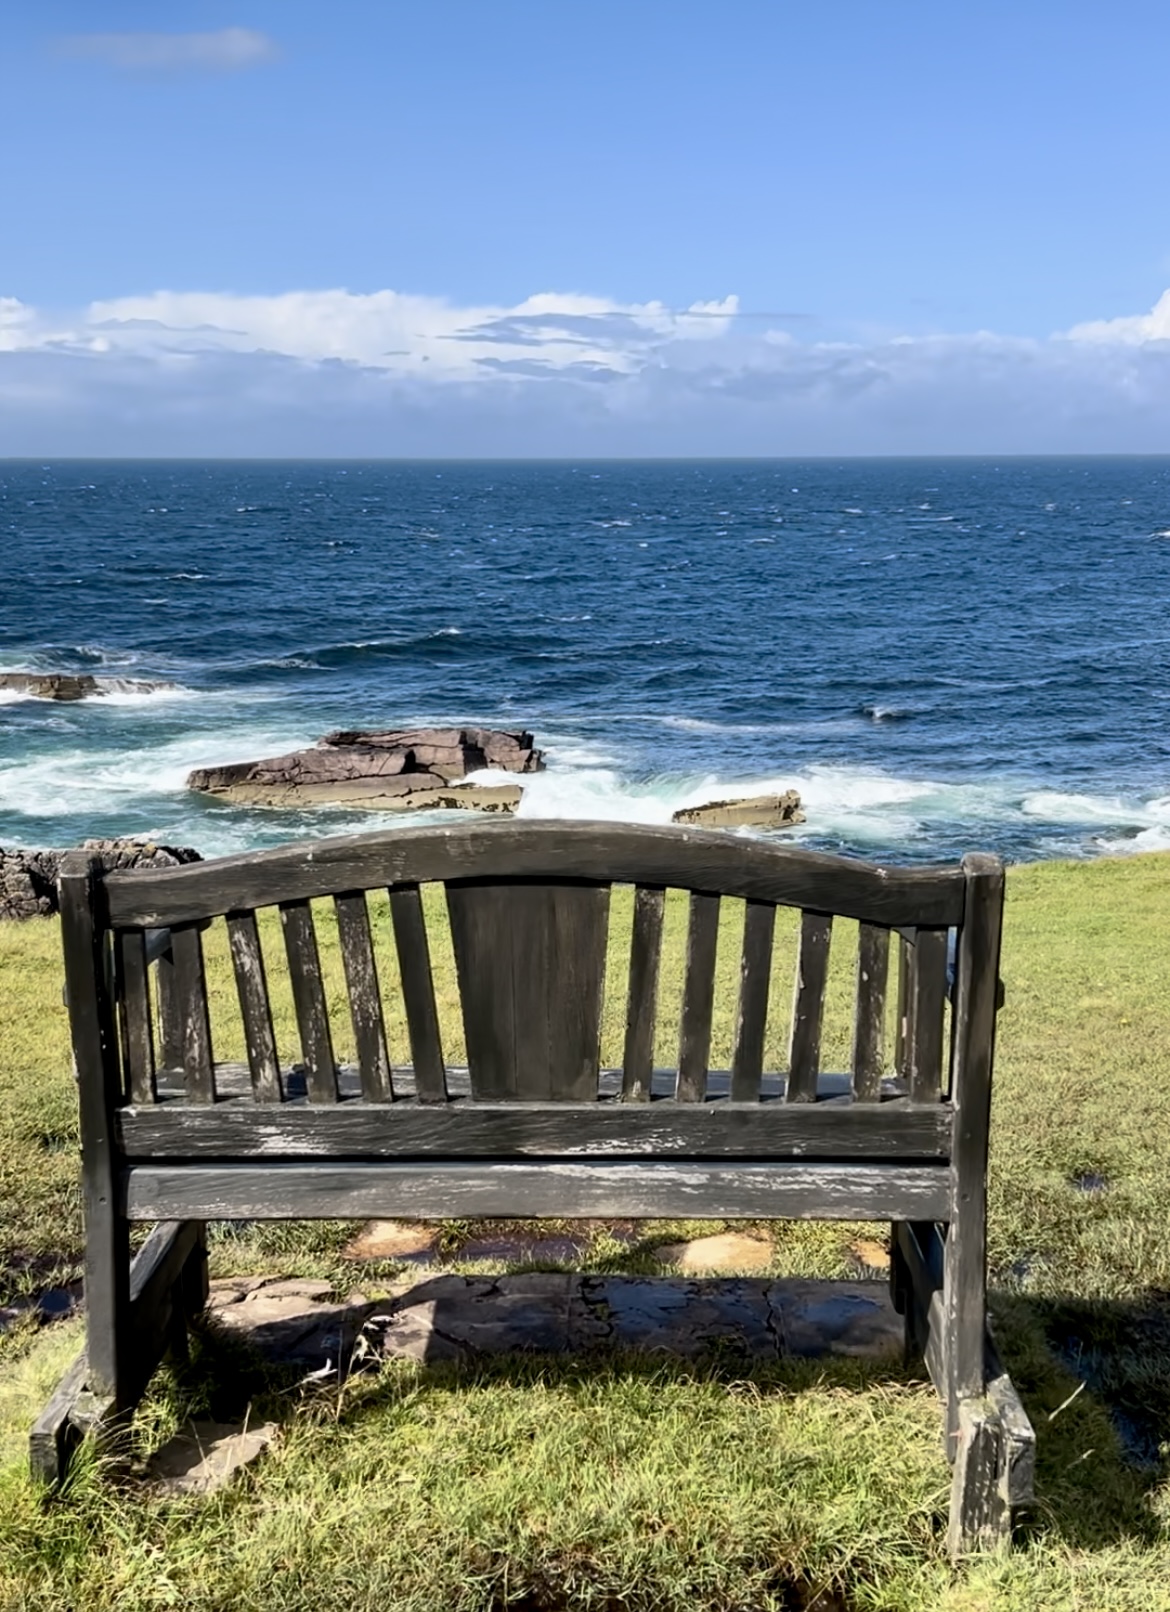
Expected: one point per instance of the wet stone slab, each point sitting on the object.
(462, 1318)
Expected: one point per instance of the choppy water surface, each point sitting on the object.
(939, 655)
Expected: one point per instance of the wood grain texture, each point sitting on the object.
(869, 1018)
(418, 993)
(169, 1016)
(192, 1024)
(132, 989)
(604, 853)
(927, 1002)
(694, 1043)
(755, 974)
(255, 1009)
(808, 1006)
(980, 1516)
(99, 1091)
(232, 1080)
(580, 1189)
(308, 990)
(365, 998)
(642, 997)
(719, 1129)
(55, 1435)
(902, 1013)
(156, 1295)
(530, 959)
(1019, 1437)
(976, 993)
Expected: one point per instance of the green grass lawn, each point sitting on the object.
(648, 1484)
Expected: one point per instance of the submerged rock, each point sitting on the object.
(75, 686)
(760, 811)
(401, 769)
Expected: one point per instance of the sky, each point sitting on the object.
(652, 227)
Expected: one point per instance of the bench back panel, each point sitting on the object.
(531, 955)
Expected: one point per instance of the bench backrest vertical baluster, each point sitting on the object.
(694, 1049)
(755, 974)
(926, 998)
(365, 1000)
(132, 986)
(190, 1022)
(642, 998)
(418, 993)
(308, 989)
(808, 1006)
(530, 959)
(873, 966)
(169, 1020)
(255, 1010)
(902, 1031)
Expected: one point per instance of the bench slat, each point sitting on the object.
(928, 990)
(808, 1006)
(873, 967)
(694, 1046)
(308, 989)
(365, 999)
(755, 976)
(642, 999)
(583, 1188)
(418, 992)
(192, 1026)
(133, 990)
(530, 959)
(255, 1010)
(240, 1128)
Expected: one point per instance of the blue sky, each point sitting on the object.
(644, 227)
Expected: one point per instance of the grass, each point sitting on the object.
(649, 1484)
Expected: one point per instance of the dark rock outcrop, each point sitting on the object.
(760, 811)
(28, 879)
(401, 769)
(74, 686)
(449, 752)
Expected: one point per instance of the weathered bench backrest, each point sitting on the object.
(529, 910)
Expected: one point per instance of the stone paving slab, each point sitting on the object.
(204, 1455)
(449, 1317)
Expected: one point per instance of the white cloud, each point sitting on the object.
(334, 372)
(1134, 330)
(385, 330)
(225, 51)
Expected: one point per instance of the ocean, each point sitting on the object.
(939, 655)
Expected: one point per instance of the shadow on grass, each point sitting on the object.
(1094, 1378)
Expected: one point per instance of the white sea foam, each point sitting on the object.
(103, 782)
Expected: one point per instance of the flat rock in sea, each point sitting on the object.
(74, 686)
(28, 879)
(761, 811)
(403, 769)
(450, 752)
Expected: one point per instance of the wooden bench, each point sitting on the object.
(533, 1125)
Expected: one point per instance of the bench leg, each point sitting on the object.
(127, 1337)
(981, 1511)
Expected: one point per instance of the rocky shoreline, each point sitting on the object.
(382, 769)
(28, 879)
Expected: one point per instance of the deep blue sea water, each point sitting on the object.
(939, 655)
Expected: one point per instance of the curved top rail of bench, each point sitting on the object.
(710, 861)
